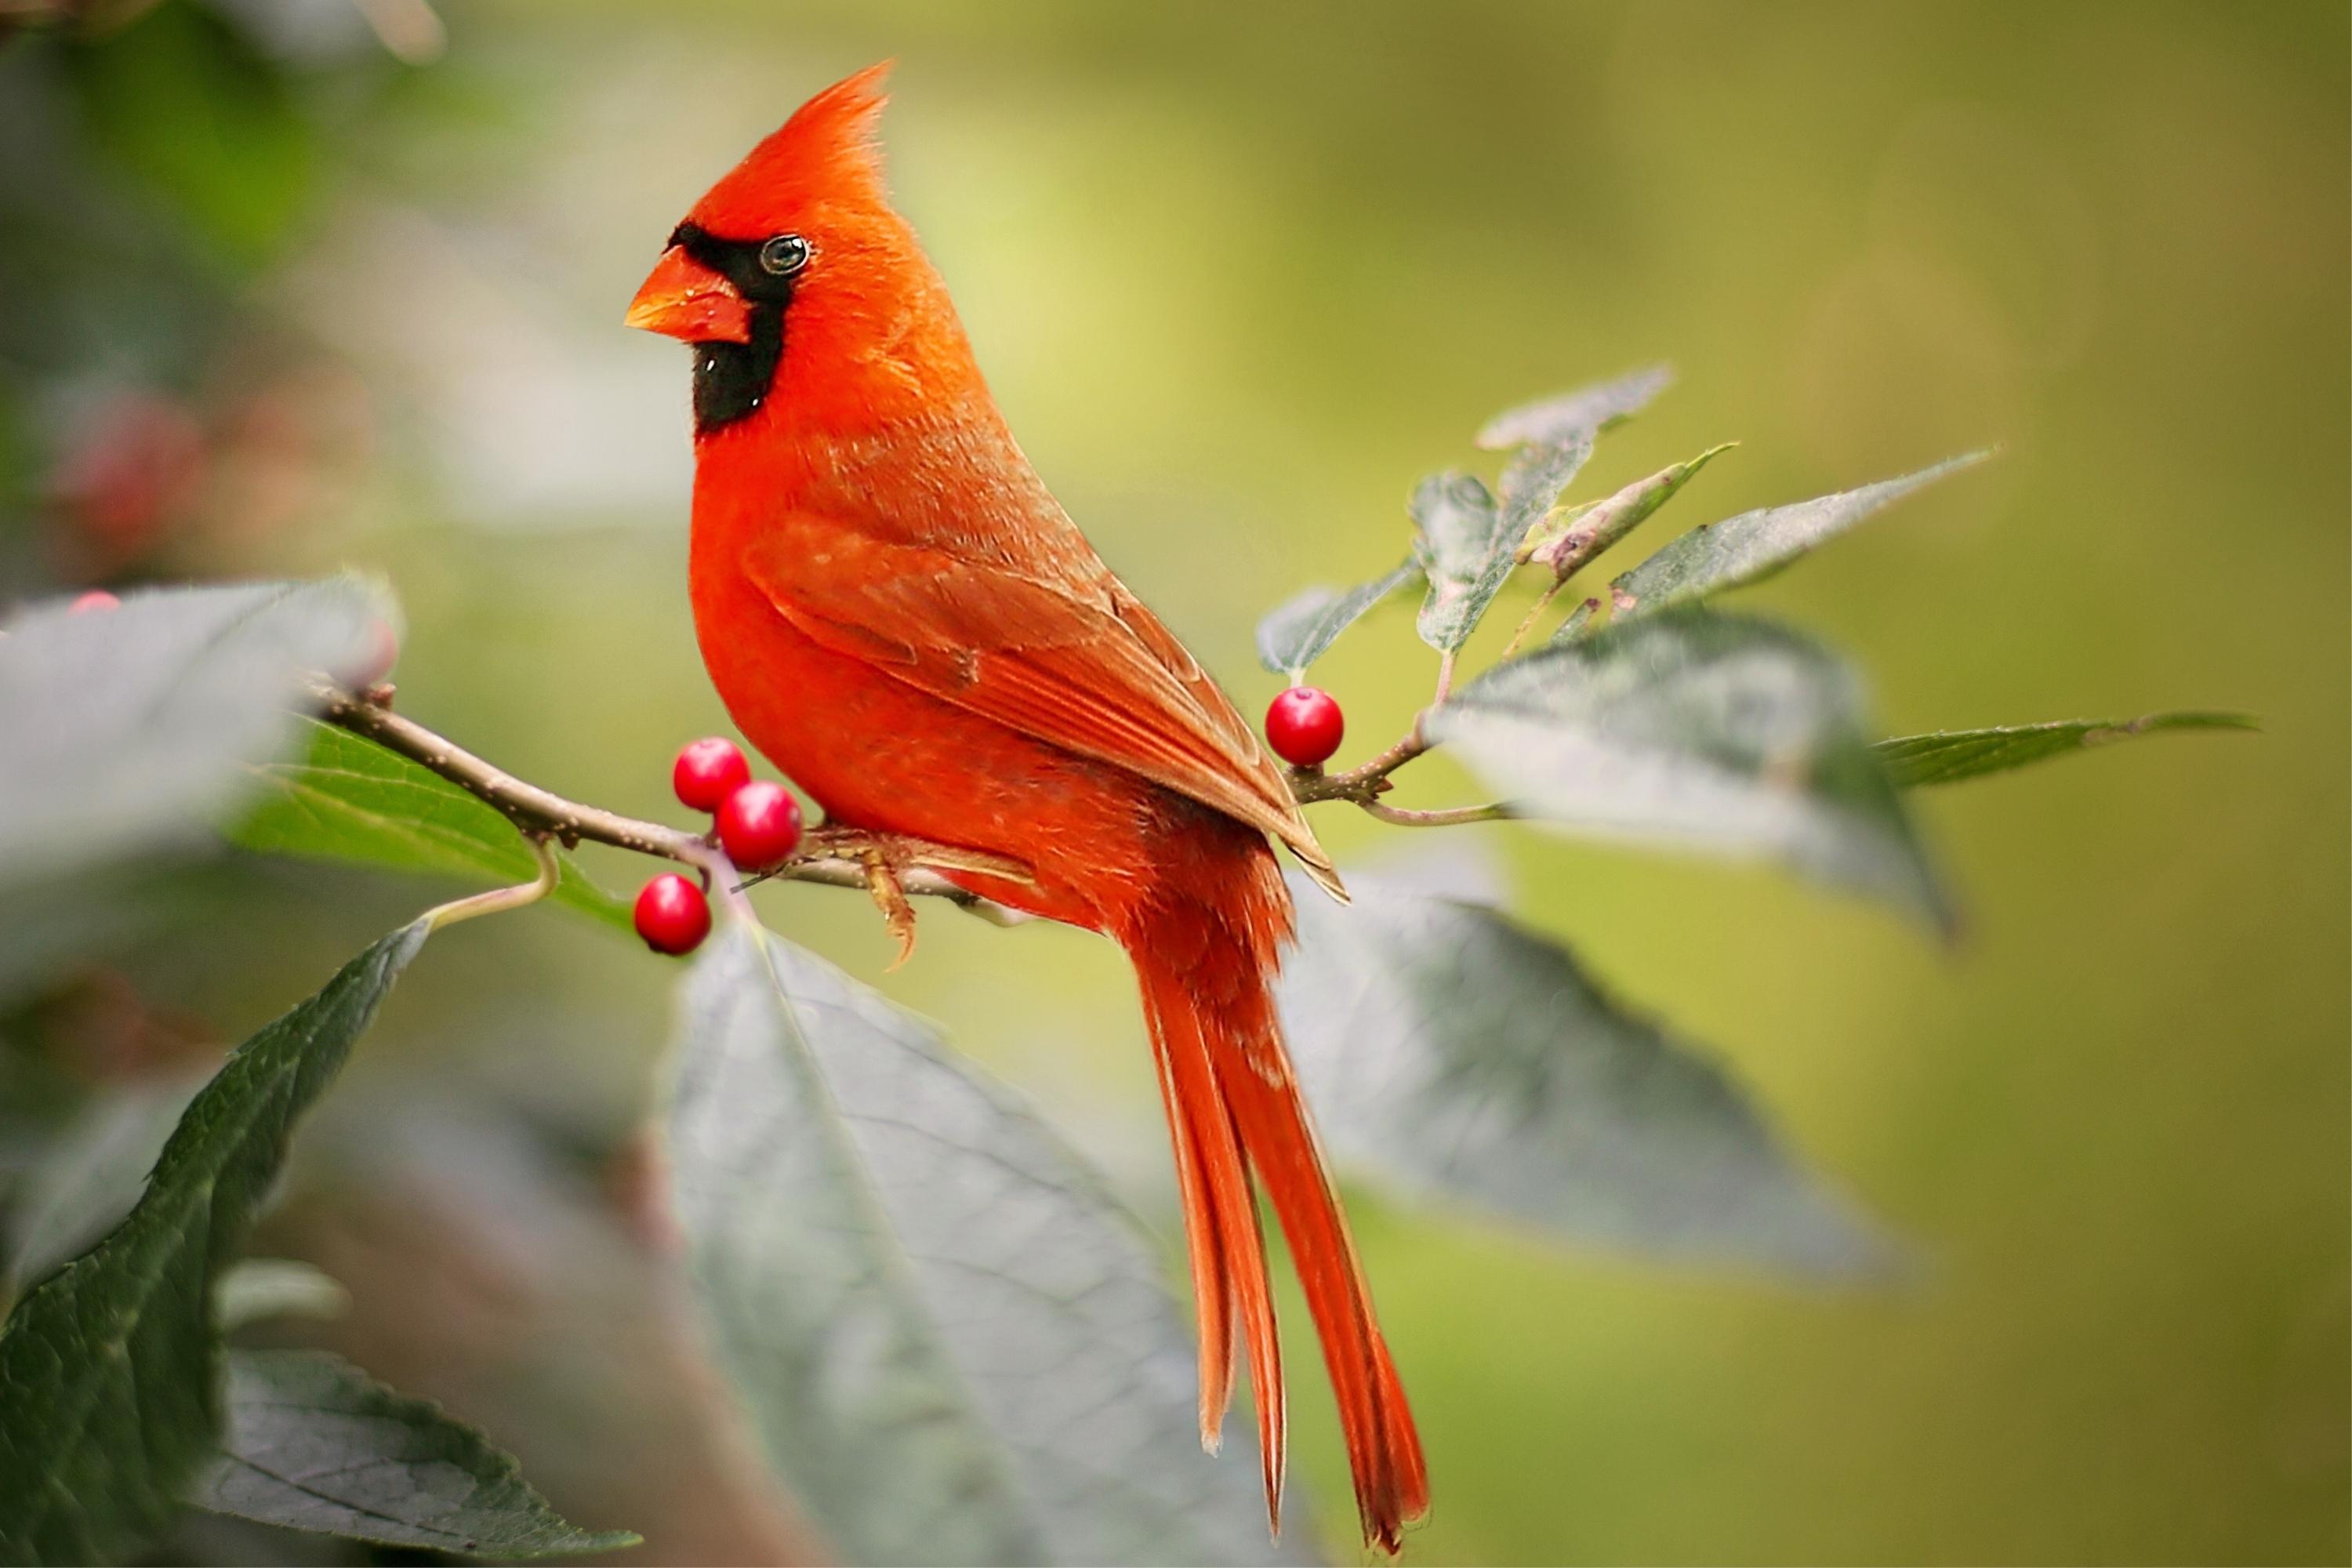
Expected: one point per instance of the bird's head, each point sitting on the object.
(799, 246)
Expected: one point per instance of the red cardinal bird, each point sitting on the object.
(897, 612)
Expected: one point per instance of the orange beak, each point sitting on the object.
(683, 298)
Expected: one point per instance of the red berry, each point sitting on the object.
(707, 772)
(760, 826)
(1304, 726)
(672, 914)
(96, 599)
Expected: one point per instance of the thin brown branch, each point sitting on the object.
(882, 865)
(1447, 816)
(835, 856)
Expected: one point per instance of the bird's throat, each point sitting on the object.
(732, 381)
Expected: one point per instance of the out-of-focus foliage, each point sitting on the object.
(1703, 731)
(314, 1443)
(1237, 284)
(133, 730)
(110, 1363)
(946, 1336)
(1474, 1062)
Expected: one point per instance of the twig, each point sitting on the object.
(1449, 816)
(833, 857)
(1361, 784)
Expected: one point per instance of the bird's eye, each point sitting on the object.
(784, 255)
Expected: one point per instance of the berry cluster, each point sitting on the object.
(758, 821)
(759, 826)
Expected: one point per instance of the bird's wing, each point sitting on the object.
(1079, 663)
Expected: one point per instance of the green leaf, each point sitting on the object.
(131, 730)
(951, 1343)
(1755, 545)
(110, 1363)
(1586, 411)
(1295, 633)
(1695, 731)
(1468, 542)
(315, 1444)
(1567, 543)
(1458, 1055)
(1947, 756)
(351, 799)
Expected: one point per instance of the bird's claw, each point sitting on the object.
(890, 895)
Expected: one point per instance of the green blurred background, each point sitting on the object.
(287, 286)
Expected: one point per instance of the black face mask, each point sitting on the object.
(732, 380)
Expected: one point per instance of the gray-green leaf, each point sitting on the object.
(1468, 542)
(1949, 756)
(313, 1442)
(350, 799)
(1460, 1056)
(1297, 632)
(1586, 411)
(132, 729)
(1697, 731)
(951, 1342)
(109, 1363)
(1569, 542)
(1755, 545)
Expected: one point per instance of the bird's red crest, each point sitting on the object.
(828, 154)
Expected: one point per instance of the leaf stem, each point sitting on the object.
(501, 899)
(1535, 612)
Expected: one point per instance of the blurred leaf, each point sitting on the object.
(1697, 731)
(315, 1444)
(110, 1363)
(1579, 618)
(1568, 541)
(1295, 633)
(1755, 545)
(90, 1178)
(1949, 756)
(259, 1289)
(953, 1346)
(192, 108)
(132, 727)
(1586, 411)
(351, 799)
(1459, 1055)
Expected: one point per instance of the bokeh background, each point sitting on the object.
(291, 284)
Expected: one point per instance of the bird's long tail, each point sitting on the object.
(1205, 962)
